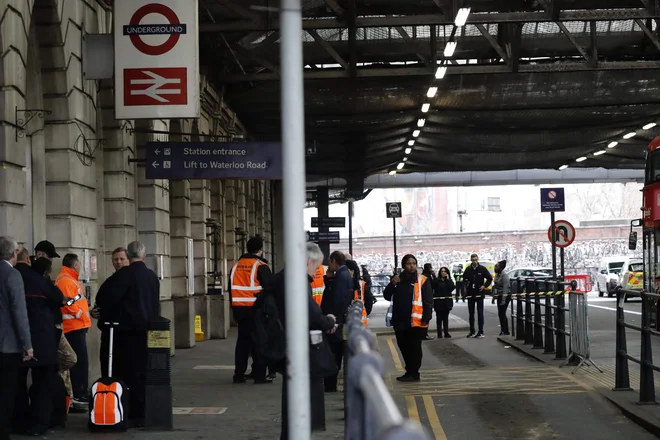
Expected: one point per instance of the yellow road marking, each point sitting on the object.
(413, 414)
(395, 355)
(434, 421)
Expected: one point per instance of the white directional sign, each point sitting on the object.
(156, 59)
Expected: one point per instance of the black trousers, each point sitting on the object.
(246, 347)
(337, 347)
(79, 372)
(33, 409)
(130, 359)
(442, 320)
(9, 366)
(409, 341)
(480, 312)
(501, 311)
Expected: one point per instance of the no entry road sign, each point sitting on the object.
(563, 234)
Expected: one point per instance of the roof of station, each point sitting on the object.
(528, 84)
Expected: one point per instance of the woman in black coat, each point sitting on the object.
(443, 286)
(410, 325)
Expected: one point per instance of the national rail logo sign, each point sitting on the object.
(156, 59)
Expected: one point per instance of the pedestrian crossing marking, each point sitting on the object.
(523, 380)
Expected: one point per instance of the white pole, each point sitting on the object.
(293, 159)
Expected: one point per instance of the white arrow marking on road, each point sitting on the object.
(157, 151)
(155, 164)
(155, 90)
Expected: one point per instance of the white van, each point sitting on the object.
(609, 270)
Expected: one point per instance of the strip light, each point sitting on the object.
(416, 133)
(581, 159)
(392, 173)
(629, 135)
(421, 122)
(461, 17)
(432, 91)
(441, 72)
(400, 166)
(648, 126)
(408, 150)
(426, 107)
(612, 144)
(411, 142)
(563, 167)
(598, 153)
(450, 48)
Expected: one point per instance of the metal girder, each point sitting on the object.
(453, 70)
(240, 10)
(274, 68)
(573, 41)
(336, 7)
(493, 42)
(328, 48)
(401, 31)
(649, 33)
(438, 19)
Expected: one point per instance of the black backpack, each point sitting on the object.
(270, 335)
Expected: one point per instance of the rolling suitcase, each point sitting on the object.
(108, 403)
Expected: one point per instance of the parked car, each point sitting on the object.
(608, 275)
(632, 275)
(530, 272)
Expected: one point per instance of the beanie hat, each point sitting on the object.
(502, 264)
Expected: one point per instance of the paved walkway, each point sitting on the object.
(470, 389)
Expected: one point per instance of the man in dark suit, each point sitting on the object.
(15, 340)
(135, 301)
(33, 410)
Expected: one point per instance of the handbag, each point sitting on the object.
(322, 362)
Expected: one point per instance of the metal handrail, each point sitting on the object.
(371, 412)
(647, 367)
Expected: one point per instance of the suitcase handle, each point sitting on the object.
(112, 326)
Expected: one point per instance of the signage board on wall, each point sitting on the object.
(156, 59)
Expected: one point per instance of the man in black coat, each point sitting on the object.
(134, 301)
(476, 279)
(32, 411)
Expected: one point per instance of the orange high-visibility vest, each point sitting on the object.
(244, 283)
(76, 316)
(417, 304)
(318, 285)
(359, 296)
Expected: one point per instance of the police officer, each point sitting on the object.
(248, 277)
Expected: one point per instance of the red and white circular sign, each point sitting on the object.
(552, 195)
(564, 234)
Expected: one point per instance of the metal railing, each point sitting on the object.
(647, 367)
(371, 412)
(540, 307)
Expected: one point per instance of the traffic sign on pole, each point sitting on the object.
(156, 59)
(563, 234)
(328, 222)
(553, 200)
(393, 209)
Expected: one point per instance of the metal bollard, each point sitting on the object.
(550, 287)
(158, 397)
(621, 373)
(520, 316)
(646, 382)
(560, 323)
(538, 322)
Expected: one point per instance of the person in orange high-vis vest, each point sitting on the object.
(75, 322)
(412, 309)
(247, 279)
(318, 284)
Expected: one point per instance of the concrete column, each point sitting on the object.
(278, 227)
(154, 218)
(242, 209)
(232, 249)
(200, 203)
(323, 207)
(267, 219)
(219, 306)
(251, 199)
(119, 180)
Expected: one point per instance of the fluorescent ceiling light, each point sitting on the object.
(405, 159)
(421, 122)
(598, 153)
(581, 159)
(563, 167)
(398, 167)
(450, 48)
(612, 144)
(392, 173)
(462, 16)
(441, 72)
(629, 135)
(426, 107)
(646, 127)
(416, 133)
(408, 150)
(432, 91)
(411, 143)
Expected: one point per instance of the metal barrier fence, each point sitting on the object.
(647, 367)
(371, 412)
(538, 318)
